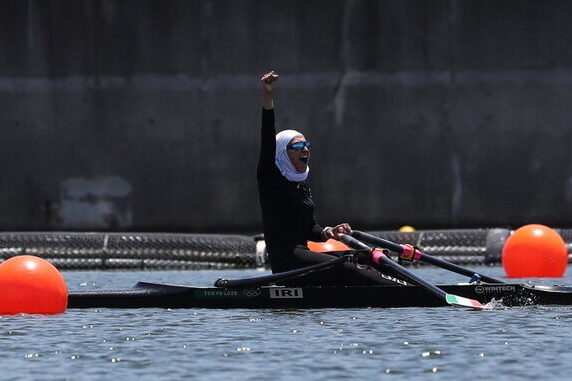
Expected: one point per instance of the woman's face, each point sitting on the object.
(299, 157)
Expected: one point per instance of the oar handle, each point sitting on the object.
(418, 254)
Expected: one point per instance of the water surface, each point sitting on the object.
(319, 344)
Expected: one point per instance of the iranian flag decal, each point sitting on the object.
(465, 302)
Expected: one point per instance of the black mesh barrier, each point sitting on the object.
(156, 251)
(137, 251)
(463, 246)
(567, 237)
(233, 249)
(566, 234)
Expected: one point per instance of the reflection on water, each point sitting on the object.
(368, 343)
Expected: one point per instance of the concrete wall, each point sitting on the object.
(144, 115)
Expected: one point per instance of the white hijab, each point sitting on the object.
(283, 161)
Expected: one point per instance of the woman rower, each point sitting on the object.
(288, 209)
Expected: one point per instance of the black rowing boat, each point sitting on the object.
(265, 291)
(149, 295)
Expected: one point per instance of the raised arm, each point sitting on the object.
(268, 80)
(268, 131)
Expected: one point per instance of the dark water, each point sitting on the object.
(408, 343)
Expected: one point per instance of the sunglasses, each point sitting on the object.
(298, 146)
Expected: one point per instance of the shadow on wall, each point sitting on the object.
(103, 203)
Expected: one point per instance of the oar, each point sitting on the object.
(411, 253)
(379, 257)
(270, 279)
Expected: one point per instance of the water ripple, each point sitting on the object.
(320, 344)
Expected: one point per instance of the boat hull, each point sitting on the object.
(153, 295)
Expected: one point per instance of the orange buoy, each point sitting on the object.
(535, 251)
(31, 285)
(329, 245)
